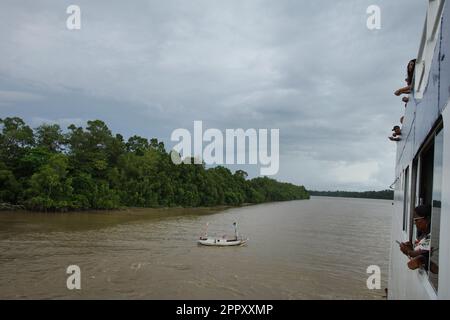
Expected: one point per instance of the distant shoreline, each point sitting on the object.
(381, 195)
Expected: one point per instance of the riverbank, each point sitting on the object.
(7, 208)
(11, 207)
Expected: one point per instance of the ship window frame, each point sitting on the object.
(434, 280)
(415, 174)
(418, 166)
(406, 200)
(427, 149)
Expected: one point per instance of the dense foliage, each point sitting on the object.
(90, 168)
(384, 194)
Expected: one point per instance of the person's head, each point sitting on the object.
(422, 217)
(397, 130)
(410, 71)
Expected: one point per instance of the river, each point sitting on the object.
(311, 249)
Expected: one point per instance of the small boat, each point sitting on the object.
(222, 241)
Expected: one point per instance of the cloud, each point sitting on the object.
(10, 97)
(354, 172)
(311, 69)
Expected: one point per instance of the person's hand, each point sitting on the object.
(416, 262)
(406, 247)
(398, 92)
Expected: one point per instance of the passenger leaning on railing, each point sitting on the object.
(397, 135)
(419, 254)
(410, 74)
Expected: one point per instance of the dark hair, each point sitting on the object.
(423, 211)
(410, 73)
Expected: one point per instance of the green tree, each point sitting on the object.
(137, 145)
(15, 139)
(93, 169)
(50, 137)
(9, 187)
(50, 187)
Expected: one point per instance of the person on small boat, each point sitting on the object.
(419, 253)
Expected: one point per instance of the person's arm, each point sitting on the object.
(404, 90)
(416, 253)
(417, 262)
(406, 247)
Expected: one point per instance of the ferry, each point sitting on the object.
(422, 174)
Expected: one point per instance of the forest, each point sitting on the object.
(383, 194)
(48, 169)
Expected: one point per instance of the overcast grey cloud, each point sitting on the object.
(310, 68)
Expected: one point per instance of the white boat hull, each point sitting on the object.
(221, 242)
(428, 108)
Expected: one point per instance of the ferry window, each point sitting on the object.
(426, 175)
(413, 201)
(430, 194)
(436, 209)
(406, 203)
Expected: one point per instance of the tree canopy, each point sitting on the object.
(90, 168)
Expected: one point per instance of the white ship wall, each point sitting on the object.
(421, 116)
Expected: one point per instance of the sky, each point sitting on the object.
(311, 69)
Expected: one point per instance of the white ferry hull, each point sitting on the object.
(426, 113)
